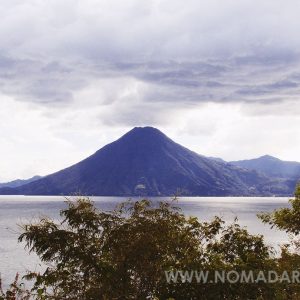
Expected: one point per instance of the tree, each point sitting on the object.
(287, 219)
(124, 254)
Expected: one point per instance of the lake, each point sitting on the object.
(23, 209)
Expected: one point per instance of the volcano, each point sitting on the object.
(145, 162)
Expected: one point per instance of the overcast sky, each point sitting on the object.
(220, 77)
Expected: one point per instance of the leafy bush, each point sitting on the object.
(127, 254)
(124, 254)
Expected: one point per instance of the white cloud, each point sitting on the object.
(32, 142)
(222, 77)
(225, 131)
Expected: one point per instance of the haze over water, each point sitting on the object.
(23, 209)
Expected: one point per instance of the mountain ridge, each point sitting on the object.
(144, 161)
(271, 166)
(19, 182)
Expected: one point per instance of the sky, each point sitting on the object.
(221, 77)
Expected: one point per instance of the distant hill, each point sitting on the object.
(19, 182)
(146, 162)
(272, 167)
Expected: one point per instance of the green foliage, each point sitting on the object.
(287, 219)
(124, 254)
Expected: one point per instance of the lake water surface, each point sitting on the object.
(23, 209)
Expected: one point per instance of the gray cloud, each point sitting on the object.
(186, 54)
(221, 77)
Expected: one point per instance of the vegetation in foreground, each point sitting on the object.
(124, 254)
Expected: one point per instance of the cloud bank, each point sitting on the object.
(83, 68)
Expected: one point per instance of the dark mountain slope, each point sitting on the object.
(272, 167)
(146, 162)
(19, 182)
